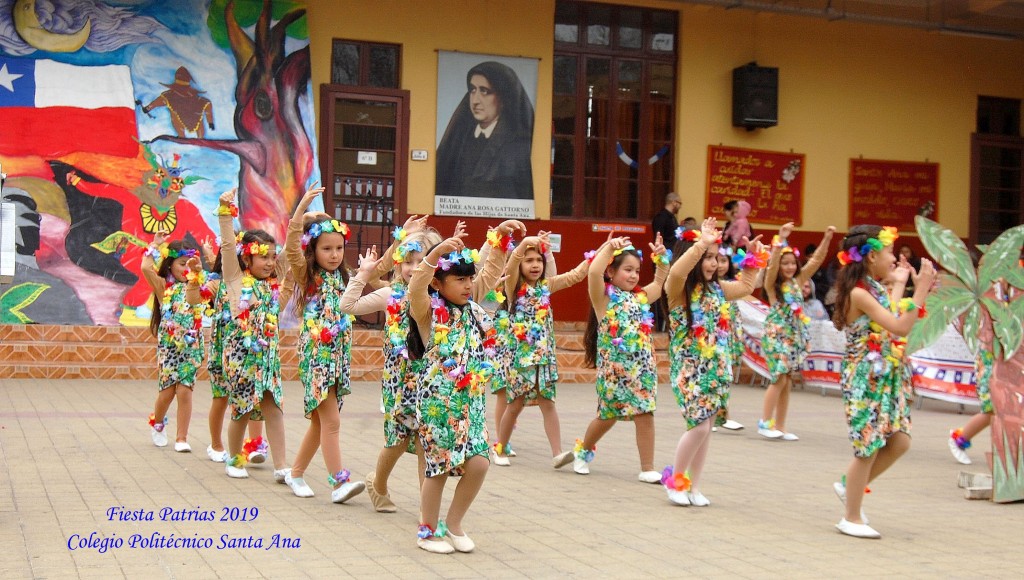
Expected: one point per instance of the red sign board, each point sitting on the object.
(891, 193)
(771, 182)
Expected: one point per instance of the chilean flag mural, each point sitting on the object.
(50, 109)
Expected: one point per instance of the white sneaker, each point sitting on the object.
(857, 530)
(501, 460)
(216, 456)
(840, 490)
(462, 543)
(697, 499)
(257, 457)
(714, 429)
(770, 433)
(299, 486)
(236, 472)
(511, 452)
(159, 438)
(732, 425)
(958, 454)
(580, 466)
(561, 460)
(650, 476)
(347, 491)
(281, 475)
(182, 447)
(790, 437)
(678, 497)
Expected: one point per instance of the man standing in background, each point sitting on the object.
(665, 223)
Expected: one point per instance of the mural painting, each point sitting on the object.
(108, 134)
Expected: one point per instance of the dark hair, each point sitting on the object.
(250, 236)
(730, 272)
(851, 274)
(695, 278)
(777, 286)
(413, 341)
(510, 304)
(731, 204)
(164, 271)
(590, 336)
(304, 294)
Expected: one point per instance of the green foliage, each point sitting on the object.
(943, 306)
(16, 298)
(948, 250)
(972, 327)
(1008, 472)
(1007, 326)
(247, 12)
(1001, 256)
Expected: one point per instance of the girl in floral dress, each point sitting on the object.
(534, 371)
(219, 313)
(619, 343)
(315, 250)
(177, 322)
(455, 339)
(874, 377)
(251, 363)
(786, 333)
(700, 348)
(727, 273)
(399, 383)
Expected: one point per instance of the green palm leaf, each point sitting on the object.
(16, 298)
(943, 306)
(972, 327)
(1006, 324)
(1001, 257)
(948, 250)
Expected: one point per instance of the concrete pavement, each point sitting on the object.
(72, 450)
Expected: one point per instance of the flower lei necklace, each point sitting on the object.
(793, 299)
(711, 332)
(250, 289)
(627, 333)
(478, 372)
(539, 295)
(325, 283)
(180, 335)
(396, 325)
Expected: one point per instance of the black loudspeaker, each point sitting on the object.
(755, 96)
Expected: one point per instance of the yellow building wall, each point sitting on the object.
(846, 89)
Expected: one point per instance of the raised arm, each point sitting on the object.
(149, 266)
(662, 258)
(817, 258)
(231, 272)
(751, 262)
(487, 279)
(419, 298)
(772, 273)
(595, 274)
(515, 258)
(863, 301)
(353, 301)
(688, 261)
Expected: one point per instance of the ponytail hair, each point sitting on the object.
(590, 335)
(852, 273)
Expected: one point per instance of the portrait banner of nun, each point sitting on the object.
(485, 110)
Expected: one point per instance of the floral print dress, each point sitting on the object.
(179, 352)
(220, 313)
(251, 361)
(984, 364)
(453, 386)
(786, 332)
(325, 343)
(627, 373)
(875, 381)
(505, 351)
(533, 351)
(702, 356)
(400, 379)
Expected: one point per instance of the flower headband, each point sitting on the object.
(778, 242)
(166, 252)
(325, 227)
(403, 250)
(466, 256)
(252, 249)
(687, 235)
(886, 237)
(628, 248)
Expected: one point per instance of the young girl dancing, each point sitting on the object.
(177, 323)
(315, 249)
(727, 273)
(250, 362)
(875, 381)
(455, 339)
(786, 334)
(534, 363)
(618, 342)
(700, 347)
(399, 381)
(219, 313)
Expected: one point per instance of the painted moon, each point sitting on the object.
(26, 22)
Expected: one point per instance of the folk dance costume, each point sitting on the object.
(179, 350)
(702, 345)
(876, 383)
(627, 372)
(219, 313)
(786, 331)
